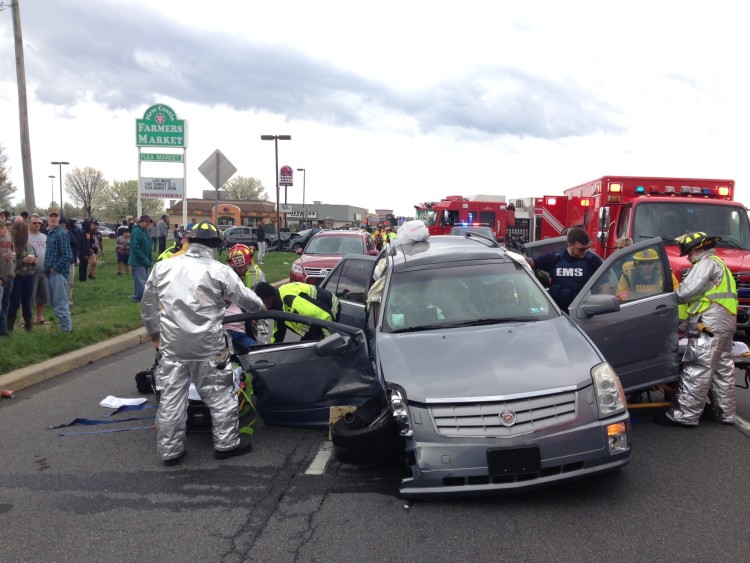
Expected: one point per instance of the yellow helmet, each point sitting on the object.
(648, 255)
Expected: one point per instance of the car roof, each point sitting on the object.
(338, 234)
(445, 249)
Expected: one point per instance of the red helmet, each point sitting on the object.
(240, 255)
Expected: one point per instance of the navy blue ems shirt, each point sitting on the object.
(568, 274)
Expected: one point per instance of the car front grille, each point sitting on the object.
(317, 272)
(484, 418)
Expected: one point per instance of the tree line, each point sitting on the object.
(93, 196)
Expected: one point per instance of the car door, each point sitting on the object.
(296, 383)
(639, 339)
(349, 281)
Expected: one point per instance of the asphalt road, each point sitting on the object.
(104, 497)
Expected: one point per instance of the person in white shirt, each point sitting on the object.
(38, 240)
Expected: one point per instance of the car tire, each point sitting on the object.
(295, 246)
(360, 437)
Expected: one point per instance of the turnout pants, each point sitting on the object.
(216, 390)
(708, 364)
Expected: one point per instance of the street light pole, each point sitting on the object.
(304, 178)
(61, 200)
(52, 185)
(276, 139)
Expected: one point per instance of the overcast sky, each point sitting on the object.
(388, 103)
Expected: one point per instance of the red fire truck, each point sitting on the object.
(611, 207)
(456, 211)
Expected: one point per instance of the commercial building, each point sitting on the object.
(251, 212)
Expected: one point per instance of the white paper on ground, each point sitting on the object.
(111, 402)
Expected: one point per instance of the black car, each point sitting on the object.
(301, 238)
(291, 242)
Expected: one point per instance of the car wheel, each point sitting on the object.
(295, 246)
(359, 437)
(112, 236)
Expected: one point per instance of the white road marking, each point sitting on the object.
(319, 464)
(742, 424)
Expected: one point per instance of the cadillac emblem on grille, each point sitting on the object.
(507, 418)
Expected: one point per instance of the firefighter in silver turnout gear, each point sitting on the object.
(182, 310)
(708, 302)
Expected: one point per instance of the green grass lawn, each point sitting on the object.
(102, 309)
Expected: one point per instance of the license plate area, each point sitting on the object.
(507, 462)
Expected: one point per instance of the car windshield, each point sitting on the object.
(670, 220)
(335, 245)
(464, 296)
(427, 216)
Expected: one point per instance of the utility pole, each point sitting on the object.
(23, 110)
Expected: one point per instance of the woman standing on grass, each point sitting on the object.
(23, 286)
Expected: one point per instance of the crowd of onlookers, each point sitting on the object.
(38, 258)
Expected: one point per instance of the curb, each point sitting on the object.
(31, 375)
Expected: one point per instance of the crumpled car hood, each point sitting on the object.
(494, 360)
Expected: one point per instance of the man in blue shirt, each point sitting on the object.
(57, 269)
(568, 269)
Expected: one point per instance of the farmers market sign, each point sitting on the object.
(160, 128)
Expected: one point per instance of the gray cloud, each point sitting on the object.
(124, 56)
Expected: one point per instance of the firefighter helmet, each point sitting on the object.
(648, 255)
(694, 241)
(206, 233)
(240, 255)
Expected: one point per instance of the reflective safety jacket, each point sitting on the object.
(380, 238)
(172, 251)
(307, 300)
(708, 283)
(634, 285)
(253, 276)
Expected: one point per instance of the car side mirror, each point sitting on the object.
(299, 252)
(604, 218)
(598, 305)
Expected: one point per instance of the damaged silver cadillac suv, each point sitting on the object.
(490, 386)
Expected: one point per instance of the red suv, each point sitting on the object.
(324, 251)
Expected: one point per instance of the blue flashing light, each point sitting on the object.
(640, 190)
(706, 191)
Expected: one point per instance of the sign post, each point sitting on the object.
(217, 170)
(286, 179)
(161, 128)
